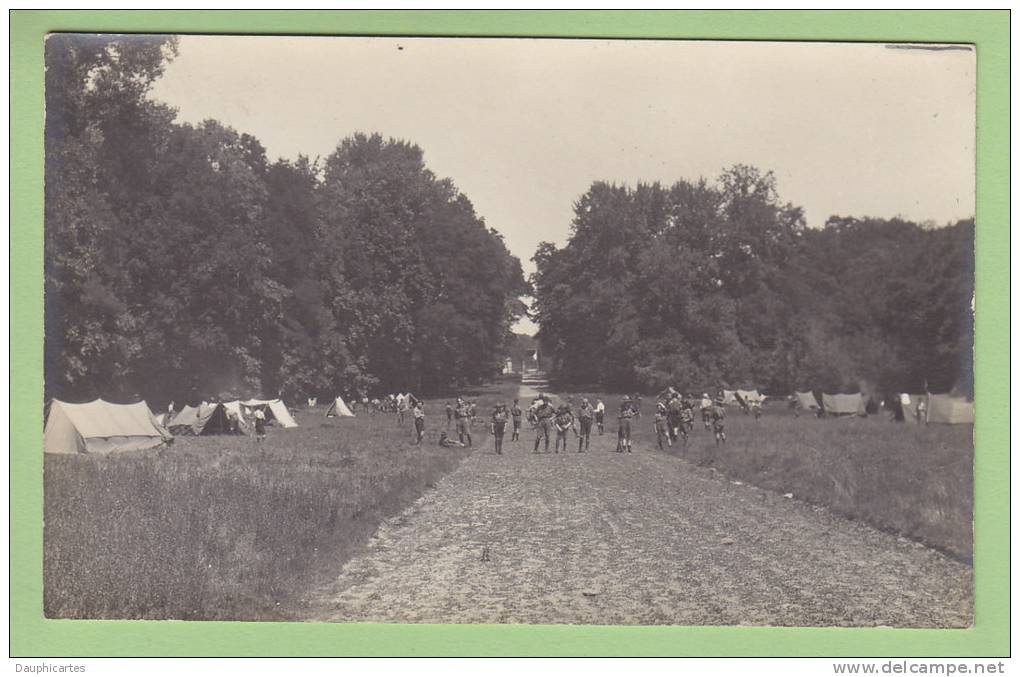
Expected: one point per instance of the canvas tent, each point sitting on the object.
(730, 397)
(338, 408)
(806, 400)
(100, 427)
(844, 405)
(205, 419)
(949, 409)
(750, 396)
(275, 410)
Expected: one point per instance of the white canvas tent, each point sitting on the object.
(751, 396)
(949, 409)
(100, 427)
(338, 408)
(277, 408)
(844, 404)
(806, 400)
(205, 419)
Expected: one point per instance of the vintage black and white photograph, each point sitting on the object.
(509, 331)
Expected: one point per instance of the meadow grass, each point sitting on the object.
(217, 527)
(913, 480)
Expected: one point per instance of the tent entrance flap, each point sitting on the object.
(275, 410)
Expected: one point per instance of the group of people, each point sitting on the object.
(673, 422)
(674, 416)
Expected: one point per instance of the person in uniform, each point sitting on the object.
(419, 420)
(445, 441)
(627, 412)
(600, 416)
(544, 414)
(449, 413)
(463, 416)
(686, 418)
(563, 421)
(718, 421)
(756, 409)
(661, 428)
(674, 408)
(401, 408)
(497, 426)
(516, 413)
(260, 425)
(706, 411)
(585, 415)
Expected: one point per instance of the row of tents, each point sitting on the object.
(101, 427)
(211, 418)
(937, 408)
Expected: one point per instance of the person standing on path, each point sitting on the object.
(498, 426)
(706, 411)
(661, 428)
(600, 416)
(564, 422)
(584, 419)
(674, 408)
(627, 412)
(544, 414)
(419, 421)
(687, 419)
(516, 413)
(718, 421)
(463, 416)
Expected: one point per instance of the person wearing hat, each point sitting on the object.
(418, 411)
(627, 412)
(718, 418)
(564, 421)
(463, 415)
(584, 418)
(544, 414)
(497, 426)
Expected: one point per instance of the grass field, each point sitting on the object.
(218, 528)
(913, 480)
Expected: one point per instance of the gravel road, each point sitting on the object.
(644, 538)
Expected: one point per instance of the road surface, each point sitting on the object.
(647, 538)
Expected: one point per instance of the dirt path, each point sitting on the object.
(645, 538)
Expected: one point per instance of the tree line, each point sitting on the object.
(720, 284)
(180, 263)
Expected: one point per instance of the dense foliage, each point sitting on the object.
(721, 284)
(181, 263)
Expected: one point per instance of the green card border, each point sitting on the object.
(33, 636)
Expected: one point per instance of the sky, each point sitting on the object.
(524, 126)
